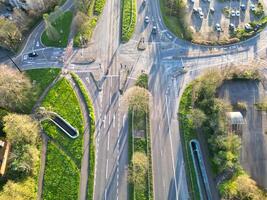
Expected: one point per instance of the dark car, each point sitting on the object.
(33, 54)
(154, 29)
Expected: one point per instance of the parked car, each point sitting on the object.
(237, 13)
(257, 27)
(243, 7)
(232, 13)
(231, 26)
(33, 54)
(218, 27)
(248, 27)
(252, 7)
(192, 1)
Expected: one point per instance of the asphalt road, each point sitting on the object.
(164, 56)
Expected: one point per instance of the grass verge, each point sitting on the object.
(128, 19)
(90, 107)
(62, 26)
(61, 178)
(63, 100)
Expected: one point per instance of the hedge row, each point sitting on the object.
(128, 19)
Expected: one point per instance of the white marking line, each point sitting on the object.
(108, 140)
(170, 135)
(114, 119)
(104, 121)
(123, 120)
(105, 193)
(107, 169)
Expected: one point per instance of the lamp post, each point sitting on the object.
(14, 63)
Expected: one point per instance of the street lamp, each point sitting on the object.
(14, 63)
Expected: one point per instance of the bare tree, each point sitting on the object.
(14, 88)
(10, 35)
(137, 99)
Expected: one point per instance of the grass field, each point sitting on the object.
(40, 78)
(61, 178)
(62, 25)
(63, 100)
(172, 22)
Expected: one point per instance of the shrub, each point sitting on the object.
(99, 6)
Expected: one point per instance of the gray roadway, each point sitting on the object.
(164, 56)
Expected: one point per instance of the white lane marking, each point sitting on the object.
(104, 121)
(107, 169)
(108, 140)
(170, 135)
(123, 120)
(114, 119)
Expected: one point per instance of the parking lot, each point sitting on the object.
(210, 20)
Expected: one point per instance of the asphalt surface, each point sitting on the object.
(164, 57)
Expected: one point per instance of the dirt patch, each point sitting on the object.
(254, 139)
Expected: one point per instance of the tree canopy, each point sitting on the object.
(14, 88)
(137, 99)
(138, 169)
(20, 129)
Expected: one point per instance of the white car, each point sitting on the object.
(232, 26)
(146, 19)
(248, 27)
(233, 13)
(201, 15)
(200, 12)
(252, 7)
(218, 27)
(212, 10)
(237, 13)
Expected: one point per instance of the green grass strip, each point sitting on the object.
(90, 107)
(63, 100)
(61, 178)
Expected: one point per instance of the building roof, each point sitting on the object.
(235, 118)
